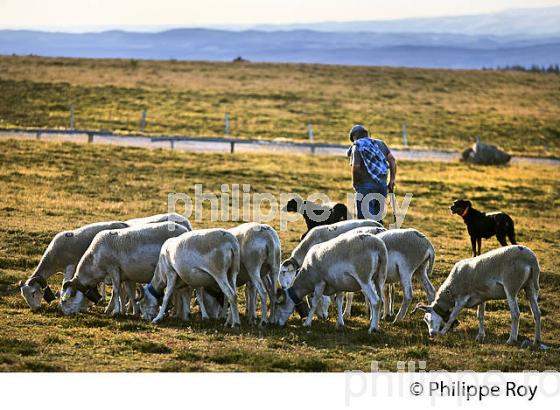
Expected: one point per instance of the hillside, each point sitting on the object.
(426, 49)
(444, 109)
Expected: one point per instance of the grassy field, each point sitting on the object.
(444, 109)
(48, 187)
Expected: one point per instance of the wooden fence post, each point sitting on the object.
(143, 120)
(90, 138)
(404, 134)
(310, 135)
(226, 124)
(72, 122)
(231, 147)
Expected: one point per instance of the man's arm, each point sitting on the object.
(356, 164)
(393, 169)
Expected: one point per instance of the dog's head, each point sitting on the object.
(293, 205)
(460, 206)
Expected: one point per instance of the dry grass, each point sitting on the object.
(444, 109)
(47, 187)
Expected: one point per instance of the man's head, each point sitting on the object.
(358, 131)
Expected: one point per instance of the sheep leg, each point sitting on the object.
(111, 304)
(373, 299)
(170, 285)
(255, 277)
(200, 299)
(406, 283)
(251, 303)
(317, 295)
(480, 315)
(514, 310)
(231, 297)
(348, 308)
(69, 273)
(459, 305)
(426, 283)
(532, 295)
(130, 288)
(269, 284)
(479, 245)
(339, 309)
(116, 279)
(184, 304)
(388, 301)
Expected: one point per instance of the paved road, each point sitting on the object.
(213, 146)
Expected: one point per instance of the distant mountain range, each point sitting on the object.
(514, 22)
(523, 37)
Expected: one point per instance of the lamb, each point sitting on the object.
(347, 263)
(207, 258)
(62, 255)
(126, 255)
(496, 275)
(410, 253)
(317, 214)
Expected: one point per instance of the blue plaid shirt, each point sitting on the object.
(373, 158)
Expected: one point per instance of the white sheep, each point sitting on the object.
(167, 217)
(495, 275)
(126, 255)
(410, 253)
(62, 255)
(207, 258)
(347, 263)
(315, 236)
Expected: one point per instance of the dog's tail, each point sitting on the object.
(510, 230)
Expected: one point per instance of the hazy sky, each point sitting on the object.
(90, 13)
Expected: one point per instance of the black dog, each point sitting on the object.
(484, 225)
(315, 214)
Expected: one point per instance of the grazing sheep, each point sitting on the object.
(168, 217)
(410, 253)
(347, 263)
(315, 236)
(495, 275)
(208, 258)
(126, 255)
(317, 214)
(62, 255)
(260, 258)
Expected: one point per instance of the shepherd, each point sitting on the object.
(371, 160)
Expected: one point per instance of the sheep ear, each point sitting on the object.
(422, 307)
(21, 283)
(139, 294)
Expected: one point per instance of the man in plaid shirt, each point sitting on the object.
(371, 160)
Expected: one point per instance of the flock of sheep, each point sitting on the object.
(172, 261)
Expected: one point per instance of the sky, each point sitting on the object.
(82, 15)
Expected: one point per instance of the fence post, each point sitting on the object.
(38, 136)
(90, 138)
(172, 143)
(226, 125)
(231, 147)
(404, 134)
(310, 135)
(72, 122)
(143, 120)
